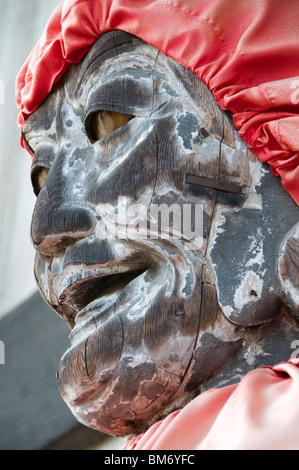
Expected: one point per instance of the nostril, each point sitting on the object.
(56, 246)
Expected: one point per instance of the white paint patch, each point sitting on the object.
(254, 200)
(251, 285)
(251, 282)
(217, 222)
(256, 248)
(252, 352)
(227, 310)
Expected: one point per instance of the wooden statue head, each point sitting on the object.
(156, 309)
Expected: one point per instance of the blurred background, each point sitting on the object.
(32, 337)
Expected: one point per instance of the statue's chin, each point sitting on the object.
(129, 395)
(128, 358)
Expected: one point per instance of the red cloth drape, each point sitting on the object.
(258, 413)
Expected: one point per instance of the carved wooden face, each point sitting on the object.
(152, 317)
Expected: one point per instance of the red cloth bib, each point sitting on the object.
(261, 412)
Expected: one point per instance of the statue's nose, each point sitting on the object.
(52, 231)
(58, 219)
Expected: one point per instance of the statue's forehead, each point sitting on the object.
(109, 58)
(113, 56)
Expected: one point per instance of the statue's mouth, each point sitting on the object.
(131, 323)
(89, 290)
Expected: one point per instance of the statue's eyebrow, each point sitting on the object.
(213, 183)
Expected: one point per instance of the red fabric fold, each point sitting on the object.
(245, 52)
(258, 413)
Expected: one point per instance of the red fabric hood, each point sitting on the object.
(246, 52)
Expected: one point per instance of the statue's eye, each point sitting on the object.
(38, 177)
(104, 122)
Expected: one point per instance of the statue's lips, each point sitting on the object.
(87, 289)
(108, 349)
(102, 333)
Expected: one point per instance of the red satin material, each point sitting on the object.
(246, 52)
(261, 412)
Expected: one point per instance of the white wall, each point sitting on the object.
(21, 24)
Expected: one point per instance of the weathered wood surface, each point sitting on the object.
(153, 319)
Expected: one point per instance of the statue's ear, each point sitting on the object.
(288, 271)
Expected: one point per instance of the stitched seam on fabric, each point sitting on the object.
(202, 20)
(265, 93)
(68, 12)
(71, 7)
(191, 15)
(210, 25)
(280, 141)
(283, 145)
